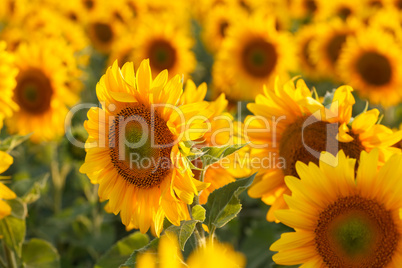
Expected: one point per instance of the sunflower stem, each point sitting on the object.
(199, 232)
(58, 178)
(10, 256)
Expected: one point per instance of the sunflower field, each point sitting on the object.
(200, 133)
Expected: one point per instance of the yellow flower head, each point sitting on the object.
(5, 193)
(8, 72)
(212, 255)
(252, 54)
(326, 47)
(41, 91)
(137, 145)
(289, 125)
(372, 67)
(165, 44)
(343, 218)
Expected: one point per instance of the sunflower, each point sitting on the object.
(103, 29)
(290, 125)
(252, 54)
(343, 218)
(217, 22)
(166, 45)
(303, 38)
(343, 9)
(388, 20)
(219, 134)
(306, 9)
(156, 180)
(213, 255)
(373, 67)
(41, 91)
(8, 73)
(326, 47)
(5, 193)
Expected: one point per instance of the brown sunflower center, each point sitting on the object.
(72, 16)
(376, 3)
(259, 58)
(356, 232)
(374, 68)
(162, 55)
(306, 54)
(307, 137)
(89, 4)
(223, 27)
(140, 145)
(311, 5)
(34, 91)
(103, 32)
(344, 12)
(334, 46)
(398, 4)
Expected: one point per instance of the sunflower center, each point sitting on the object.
(103, 32)
(307, 137)
(306, 54)
(376, 3)
(374, 68)
(140, 145)
(311, 5)
(398, 4)
(334, 47)
(356, 232)
(162, 55)
(89, 4)
(223, 27)
(72, 16)
(34, 91)
(259, 58)
(344, 12)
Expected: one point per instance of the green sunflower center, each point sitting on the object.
(34, 91)
(307, 137)
(162, 55)
(354, 235)
(140, 145)
(374, 68)
(334, 47)
(103, 32)
(356, 232)
(259, 58)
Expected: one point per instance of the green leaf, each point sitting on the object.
(18, 208)
(223, 204)
(198, 213)
(183, 232)
(214, 154)
(13, 231)
(30, 189)
(130, 262)
(120, 251)
(11, 142)
(38, 253)
(328, 97)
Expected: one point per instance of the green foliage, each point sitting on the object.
(212, 155)
(152, 246)
(120, 251)
(38, 253)
(223, 204)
